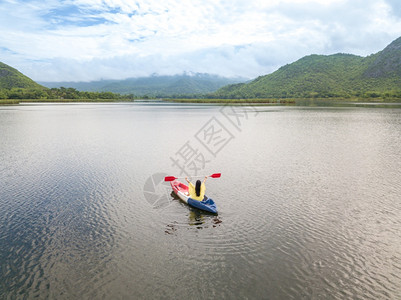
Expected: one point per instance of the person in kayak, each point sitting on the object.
(197, 191)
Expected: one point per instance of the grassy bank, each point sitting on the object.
(291, 101)
(18, 101)
(237, 101)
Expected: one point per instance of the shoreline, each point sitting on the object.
(262, 102)
(288, 100)
(22, 101)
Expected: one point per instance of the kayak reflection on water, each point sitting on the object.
(196, 220)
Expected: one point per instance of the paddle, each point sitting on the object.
(171, 178)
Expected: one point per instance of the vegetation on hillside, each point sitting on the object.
(12, 78)
(58, 94)
(333, 76)
(14, 85)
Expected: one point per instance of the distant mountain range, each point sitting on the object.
(154, 86)
(338, 75)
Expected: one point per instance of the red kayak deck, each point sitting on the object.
(178, 186)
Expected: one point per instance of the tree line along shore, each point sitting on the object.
(270, 101)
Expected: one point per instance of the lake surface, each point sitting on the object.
(309, 202)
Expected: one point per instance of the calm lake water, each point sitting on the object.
(309, 202)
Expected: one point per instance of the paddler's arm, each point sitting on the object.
(186, 178)
(204, 179)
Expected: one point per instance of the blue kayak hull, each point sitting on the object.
(206, 205)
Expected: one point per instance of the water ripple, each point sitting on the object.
(317, 213)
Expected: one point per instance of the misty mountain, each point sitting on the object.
(155, 86)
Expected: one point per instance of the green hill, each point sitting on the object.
(16, 87)
(338, 75)
(386, 63)
(155, 86)
(11, 78)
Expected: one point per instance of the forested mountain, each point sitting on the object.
(15, 85)
(338, 75)
(12, 78)
(386, 63)
(155, 86)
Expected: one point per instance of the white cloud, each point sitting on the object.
(92, 39)
(395, 6)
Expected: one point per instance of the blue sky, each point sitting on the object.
(83, 40)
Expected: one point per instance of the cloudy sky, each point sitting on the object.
(83, 40)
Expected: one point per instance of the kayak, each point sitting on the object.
(181, 190)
